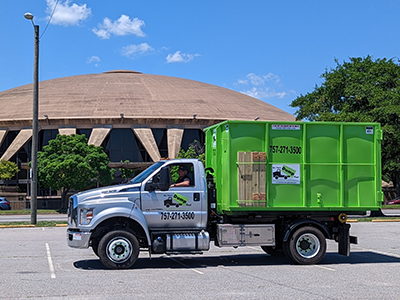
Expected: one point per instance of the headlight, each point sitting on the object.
(86, 216)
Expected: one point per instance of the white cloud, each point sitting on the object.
(123, 26)
(134, 50)
(94, 59)
(179, 57)
(67, 13)
(262, 86)
(258, 80)
(264, 93)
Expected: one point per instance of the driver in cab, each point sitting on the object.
(183, 179)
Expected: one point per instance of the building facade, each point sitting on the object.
(133, 116)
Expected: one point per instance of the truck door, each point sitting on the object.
(181, 207)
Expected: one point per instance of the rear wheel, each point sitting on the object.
(118, 249)
(306, 246)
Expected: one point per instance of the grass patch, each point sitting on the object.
(28, 211)
(38, 224)
(376, 219)
(393, 206)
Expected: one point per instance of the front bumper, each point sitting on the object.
(78, 239)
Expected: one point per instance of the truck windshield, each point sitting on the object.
(142, 176)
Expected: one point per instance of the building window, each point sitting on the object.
(122, 144)
(22, 156)
(191, 135)
(160, 135)
(86, 132)
(45, 136)
(8, 139)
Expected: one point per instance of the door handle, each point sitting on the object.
(196, 197)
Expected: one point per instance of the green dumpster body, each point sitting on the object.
(336, 166)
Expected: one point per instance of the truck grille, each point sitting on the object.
(72, 212)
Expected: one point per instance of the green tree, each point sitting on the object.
(195, 150)
(360, 90)
(127, 173)
(8, 169)
(68, 162)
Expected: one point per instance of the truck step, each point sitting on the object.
(183, 252)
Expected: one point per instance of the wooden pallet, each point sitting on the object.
(252, 179)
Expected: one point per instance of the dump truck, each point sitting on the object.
(327, 172)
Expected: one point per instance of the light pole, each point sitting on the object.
(35, 122)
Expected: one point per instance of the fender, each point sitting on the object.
(122, 210)
(125, 208)
(137, 215)
(303, 222)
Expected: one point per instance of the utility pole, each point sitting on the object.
(35, 121)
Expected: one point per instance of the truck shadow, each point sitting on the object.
(198, 262)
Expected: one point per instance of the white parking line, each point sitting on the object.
(181, 263)
(325, 268)
(53, 274)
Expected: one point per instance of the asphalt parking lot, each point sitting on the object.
(36, 263)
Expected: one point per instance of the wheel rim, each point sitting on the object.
(308, 245)
(119, 249)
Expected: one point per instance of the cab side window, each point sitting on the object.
(182, 175)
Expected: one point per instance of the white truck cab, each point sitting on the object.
(147, 212)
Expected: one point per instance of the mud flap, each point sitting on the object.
(344, 240)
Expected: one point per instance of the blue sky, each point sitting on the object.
(271, 50)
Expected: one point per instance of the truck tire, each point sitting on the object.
(273, 251)
(306, 246)
(95, 247)
(118, 249)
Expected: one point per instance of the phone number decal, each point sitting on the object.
(285, 149)
(177, 215)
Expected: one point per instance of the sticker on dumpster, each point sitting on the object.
(214, 137)
(369, 130)
(285, 174)
(285, 127)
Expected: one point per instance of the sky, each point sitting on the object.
(274, 51)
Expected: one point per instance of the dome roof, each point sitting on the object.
(136, 96)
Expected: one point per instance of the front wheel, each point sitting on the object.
(118, 249)
(95, 247)
(306, 246)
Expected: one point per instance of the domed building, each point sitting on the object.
(133, 116)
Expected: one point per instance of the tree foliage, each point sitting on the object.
(195, 150)
(361, 90)
(127, 173)
(68, 162)
(8, 169)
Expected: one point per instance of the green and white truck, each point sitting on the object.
(328, 171)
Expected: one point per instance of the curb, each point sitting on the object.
(16, 226)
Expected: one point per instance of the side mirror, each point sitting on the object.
(165, 179)
(163, 183)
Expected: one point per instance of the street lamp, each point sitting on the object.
(35, 122)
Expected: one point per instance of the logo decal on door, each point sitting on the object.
(176, 200)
